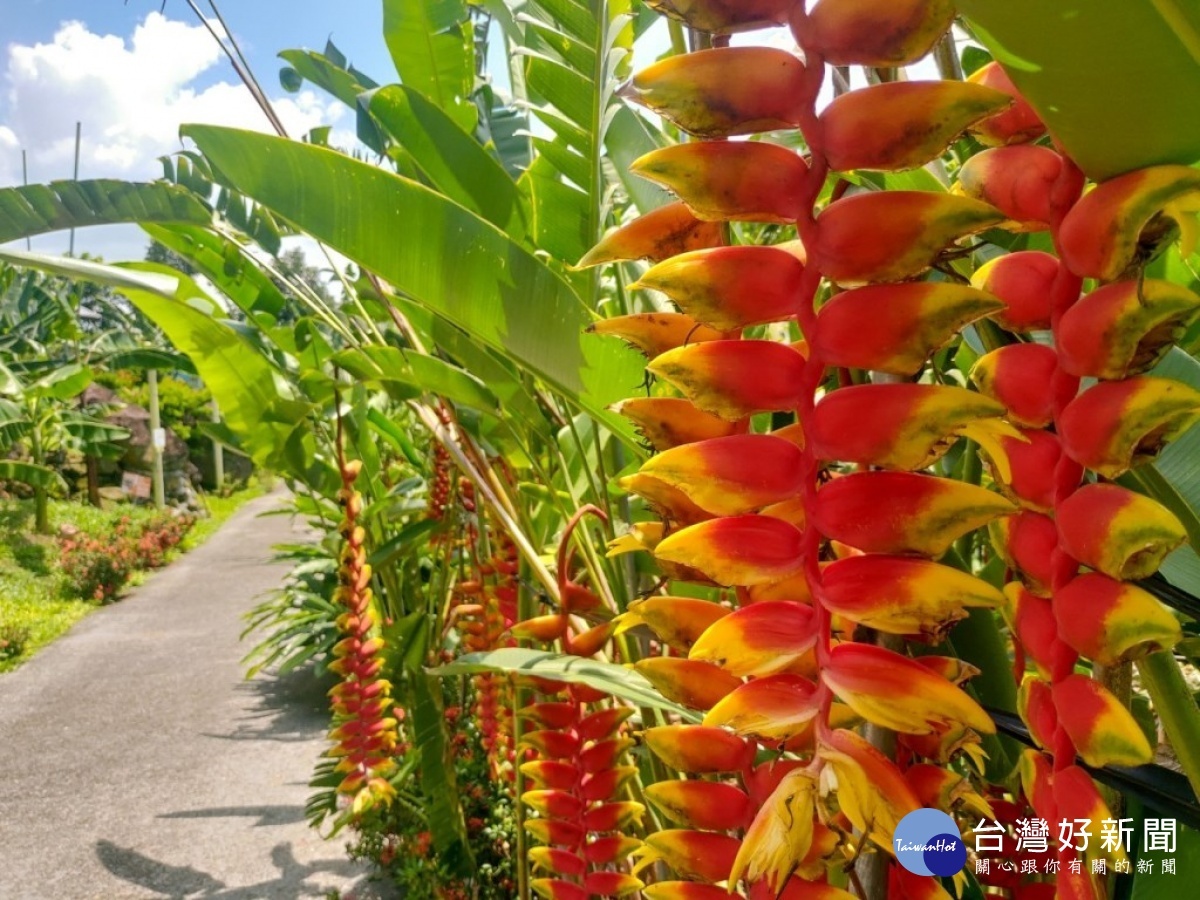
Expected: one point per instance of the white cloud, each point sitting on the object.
(131, 95)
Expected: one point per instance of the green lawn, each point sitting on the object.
(36, 601)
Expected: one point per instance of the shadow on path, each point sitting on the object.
(180, 882)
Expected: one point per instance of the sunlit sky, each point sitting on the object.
(132, 72)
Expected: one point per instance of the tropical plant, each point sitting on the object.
(873, 326)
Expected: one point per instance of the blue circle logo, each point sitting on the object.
(927, 842)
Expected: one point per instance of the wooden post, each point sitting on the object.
(159, 490)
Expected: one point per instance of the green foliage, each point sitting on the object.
(182, 405)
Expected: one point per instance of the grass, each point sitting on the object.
(37, 604)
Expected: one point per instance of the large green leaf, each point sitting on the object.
(436, 252)
(433, 49)
(31, 474)
(255, 404)
(41, 208)
(620, 682)
(1117, 81)
(453, 161)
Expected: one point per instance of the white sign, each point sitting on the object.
(159, 438)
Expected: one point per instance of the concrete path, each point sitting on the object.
(136, 761)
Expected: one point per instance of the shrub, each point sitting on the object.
(13, 639)
(97, 568)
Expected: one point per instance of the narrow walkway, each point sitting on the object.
(136, 761)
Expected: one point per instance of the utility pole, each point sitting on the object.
(218, 450)
(78, 129)
(158, 439)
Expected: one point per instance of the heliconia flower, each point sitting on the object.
(895, 692)
(730, 180)
(685, 890)
(613, 816)
(723, 92)
(714, 474)
(902, 124)
(557, 889)
(558, 861)
(884, 236)
(730, 287)
(1032, 459)
(1116, 425)
(668, 422)
(903, 426)
(667, 502)
(780, 835)
(706, 805)
(792, 511)
(1118, 532)
(609, 848)
(1015, 125)
(552, 744)
(1104, 732)
(1124, 328)
(896, 327)
(1102, 235)
(551, 774)
(554, 804)
(937, 787)
(794, 588)
(945, 744)
(725, 16)
(760, 639)
(1072, 885)
(903, 595)
(1016, 180)
(769, 710)
(1031, 619)
(701, 855)
(676, 621)
(1025, 542)
(698, 685)
(1111, 622)
(1018, 376)
(611, 884)
(1022, 282)
(604, 784)
(903, 512)
(798, 888)
(871, 791)
(550, 715)
(656, 333)
(737, 550)
(592, 641)
(1077, 798)
(603, 755)
(641, 536)
(698, 750)
(555, 831)
(880, 33)
(1037, 780)
(1035, 704)
(658, 235)
(733, 379)
(951, 668)
(543, 629)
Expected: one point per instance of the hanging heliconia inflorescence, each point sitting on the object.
(834, 522)
(364, 729)
(577, 773)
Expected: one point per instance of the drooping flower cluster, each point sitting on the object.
(813, 549)
(1116, 334)
(364, 729)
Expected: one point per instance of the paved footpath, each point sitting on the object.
(137, 762)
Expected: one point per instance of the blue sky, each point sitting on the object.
(131, 72)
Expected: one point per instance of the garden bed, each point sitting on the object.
(50, 582)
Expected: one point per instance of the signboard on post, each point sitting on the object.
(159, 439)
(136, 485)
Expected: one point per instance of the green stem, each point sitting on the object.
(1176, 708)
